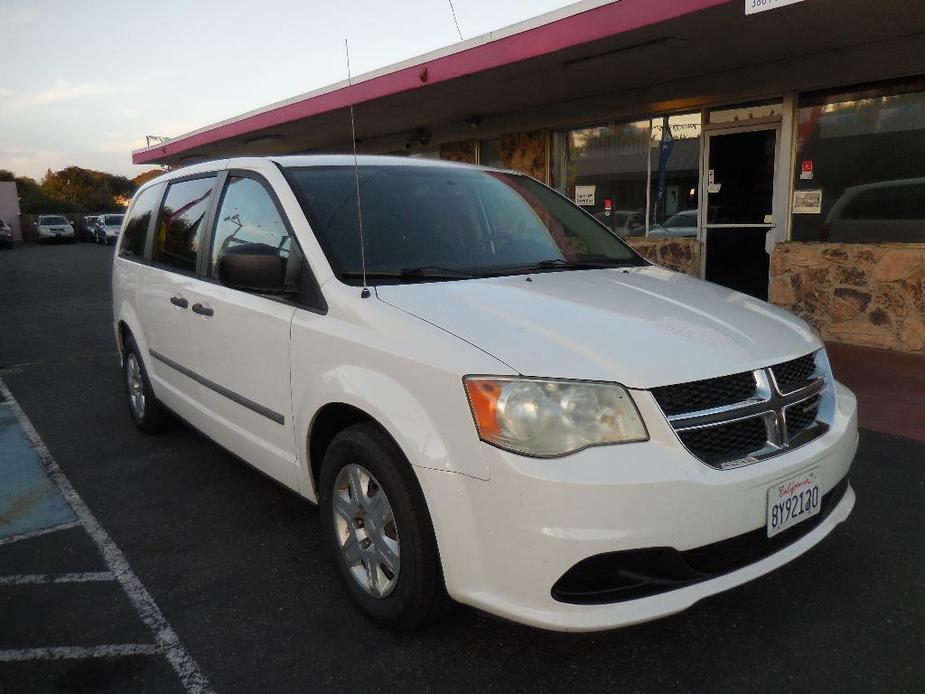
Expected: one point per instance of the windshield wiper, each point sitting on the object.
(425, 272)
(586, 264)
(435, 271)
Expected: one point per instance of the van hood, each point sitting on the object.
(642, 327)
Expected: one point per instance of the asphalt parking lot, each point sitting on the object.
(233, 564)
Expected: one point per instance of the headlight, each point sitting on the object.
(547, 418)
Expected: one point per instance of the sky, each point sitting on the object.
(83, 83)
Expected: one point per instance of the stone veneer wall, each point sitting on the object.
(864, 294)
(680, 255)
(462, 151)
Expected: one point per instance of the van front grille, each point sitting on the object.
(726, 442)
(802, 415)
(735, 420)
(792, 374)
(702, 395)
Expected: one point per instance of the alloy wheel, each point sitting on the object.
(136, 387)
(366, 530)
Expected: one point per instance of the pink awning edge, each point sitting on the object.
(608, 20)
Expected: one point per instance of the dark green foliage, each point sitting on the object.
(74, 189)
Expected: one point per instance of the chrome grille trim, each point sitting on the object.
(769, 403)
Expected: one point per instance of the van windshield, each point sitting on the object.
(425, 223)
(112, 220)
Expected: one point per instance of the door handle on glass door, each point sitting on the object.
(179, 301)
(203, 310)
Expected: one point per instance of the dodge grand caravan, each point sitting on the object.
(492, 399)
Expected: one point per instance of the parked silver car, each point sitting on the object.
(108, 227)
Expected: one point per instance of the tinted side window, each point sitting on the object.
(179, 226)
(247, 214)
(135, 236)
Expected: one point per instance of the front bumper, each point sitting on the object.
(505, 542)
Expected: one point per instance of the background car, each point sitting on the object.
(884, 211)
(86, 228)
(623, 222)
(681, 225)
(53, 227)
(6, 234)
(107, 228)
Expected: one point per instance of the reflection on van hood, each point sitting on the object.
(642, 327)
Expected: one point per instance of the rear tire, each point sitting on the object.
(146, 411)
(405, 589)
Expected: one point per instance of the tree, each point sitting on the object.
(75, 189)
(146, 176)
(86, 190)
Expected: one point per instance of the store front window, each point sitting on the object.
(860, 171)
(636, 177)
(675, 182)
(490, 153)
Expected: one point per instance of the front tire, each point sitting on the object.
(377, 524)
(146, 411)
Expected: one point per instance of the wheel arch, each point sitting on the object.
(327, 423)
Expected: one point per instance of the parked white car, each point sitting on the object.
(572, 439)
(52, 227)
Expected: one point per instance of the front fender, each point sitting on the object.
(441, 438)
(403, 372)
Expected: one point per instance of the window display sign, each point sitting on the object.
(756, 6)
(806, 170)
(584, 195)
(807, 202)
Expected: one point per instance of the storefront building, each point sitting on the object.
(781, 153)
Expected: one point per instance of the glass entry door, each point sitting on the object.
(739, 192)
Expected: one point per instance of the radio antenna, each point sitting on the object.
(456, 21)
(356, 173)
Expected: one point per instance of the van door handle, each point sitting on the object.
(203, 310)
(179, 301)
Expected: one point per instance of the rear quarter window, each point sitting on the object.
(135, 236)
(180, 224)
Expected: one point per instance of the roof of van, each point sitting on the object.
(362, 160)
(304, 160)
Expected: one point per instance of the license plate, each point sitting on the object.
(793, 501)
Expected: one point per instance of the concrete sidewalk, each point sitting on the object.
(890, 387)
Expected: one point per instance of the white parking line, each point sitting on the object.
(166, 639)
(40, 579)
(14, 655)
(37, 533)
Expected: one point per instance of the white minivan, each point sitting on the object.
(490, 396)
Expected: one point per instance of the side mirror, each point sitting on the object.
(254, 267)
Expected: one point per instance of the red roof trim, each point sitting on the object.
(608, 20)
